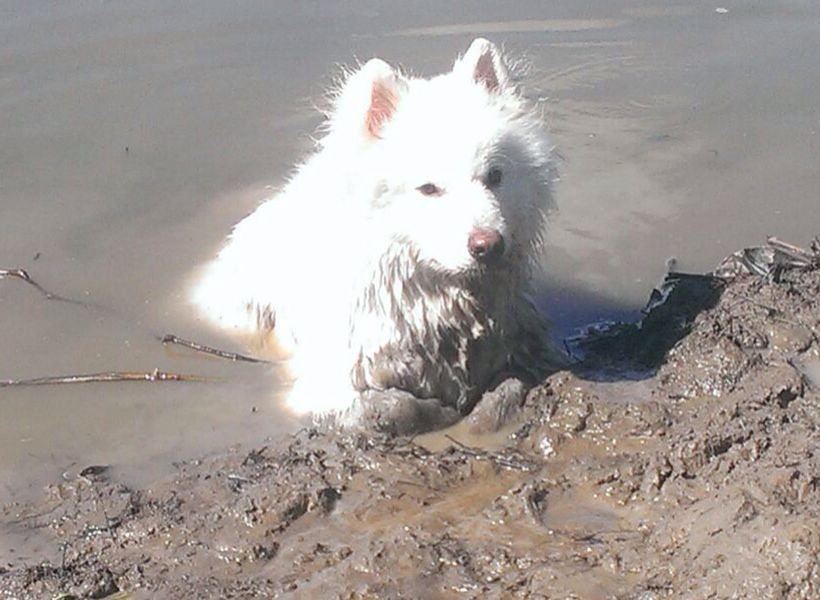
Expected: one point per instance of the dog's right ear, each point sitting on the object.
(368, 100)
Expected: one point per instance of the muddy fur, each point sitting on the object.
(366, 266)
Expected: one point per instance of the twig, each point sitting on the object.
(113, 376)
(173, 339)
(795, 252)
(23, 275)
(496, 457)
(254, 456)
(464, 446)
(234, 478)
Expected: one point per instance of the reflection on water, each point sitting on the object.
(134, 135)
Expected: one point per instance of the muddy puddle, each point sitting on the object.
(700, 481)
(134, 135)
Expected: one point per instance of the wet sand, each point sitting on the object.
(134, 135)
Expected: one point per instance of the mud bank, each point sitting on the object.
(693, 471)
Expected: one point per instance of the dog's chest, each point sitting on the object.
(452, 362)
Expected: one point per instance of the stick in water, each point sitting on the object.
(113, 376)
(173, 339)
(23, 275)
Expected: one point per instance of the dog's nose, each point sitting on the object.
(485, 245)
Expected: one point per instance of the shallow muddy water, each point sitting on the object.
(132, 136)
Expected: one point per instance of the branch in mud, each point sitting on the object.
(799, 256)
(113, 376)
(173, 339)
(507, 459)
(768, 260)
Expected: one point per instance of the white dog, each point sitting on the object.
(399, 255)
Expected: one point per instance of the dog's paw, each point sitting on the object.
(498, 407)
(400, 413)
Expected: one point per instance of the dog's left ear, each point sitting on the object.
(483, 64)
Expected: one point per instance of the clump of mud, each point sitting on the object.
(700, 480)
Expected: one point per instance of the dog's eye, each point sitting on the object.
(493, 178)
(430, 189)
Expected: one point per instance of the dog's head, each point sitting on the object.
(456, 168)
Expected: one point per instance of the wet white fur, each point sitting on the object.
(367, 281)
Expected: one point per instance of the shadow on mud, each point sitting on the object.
(632, 345)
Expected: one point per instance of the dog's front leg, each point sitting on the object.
(498, 407)
(398, 412)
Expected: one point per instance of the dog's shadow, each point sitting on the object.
(607, 341)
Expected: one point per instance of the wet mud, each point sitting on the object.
(678, 458)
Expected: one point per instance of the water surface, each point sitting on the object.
(133, 135)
